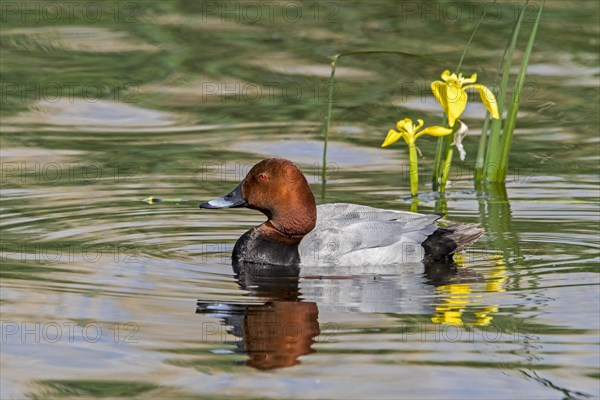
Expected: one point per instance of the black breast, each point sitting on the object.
(254, 248)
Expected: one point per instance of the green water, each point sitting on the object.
(104, 104)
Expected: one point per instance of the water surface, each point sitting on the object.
(104, 295)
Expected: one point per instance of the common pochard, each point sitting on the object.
(298, 232)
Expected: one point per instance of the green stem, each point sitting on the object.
(489, 124)
(414, 169)
(446, 167)
(493, 151)
(479, 161)
(511, 118)
(448, 152)
(441, 205)
(442, 146)
(437, 166)
(414, 205)
(330, 92)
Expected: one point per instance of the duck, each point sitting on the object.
(299, 233)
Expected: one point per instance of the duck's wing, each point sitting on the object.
(345, 231)
(374, 227)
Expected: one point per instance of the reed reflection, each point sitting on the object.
(457, 297)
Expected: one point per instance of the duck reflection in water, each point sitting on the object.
(274, 334)
(285, 327)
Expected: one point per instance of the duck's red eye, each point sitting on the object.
(262, 177)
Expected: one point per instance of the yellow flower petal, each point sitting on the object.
(419, 124)
(434, 131)
(439, 92)
(401, 125)
(488, 99)
(472, 79)
(446, 75)
(457, 101)
(409, 128)
(392, 137)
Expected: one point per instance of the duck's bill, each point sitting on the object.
(231, 200)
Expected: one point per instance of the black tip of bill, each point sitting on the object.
(232, 199)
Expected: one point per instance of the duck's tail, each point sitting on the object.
(446, 241)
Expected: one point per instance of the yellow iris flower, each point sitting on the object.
(452, 95)
(410, 132)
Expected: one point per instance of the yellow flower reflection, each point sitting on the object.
(457, 297)
(452, 95)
